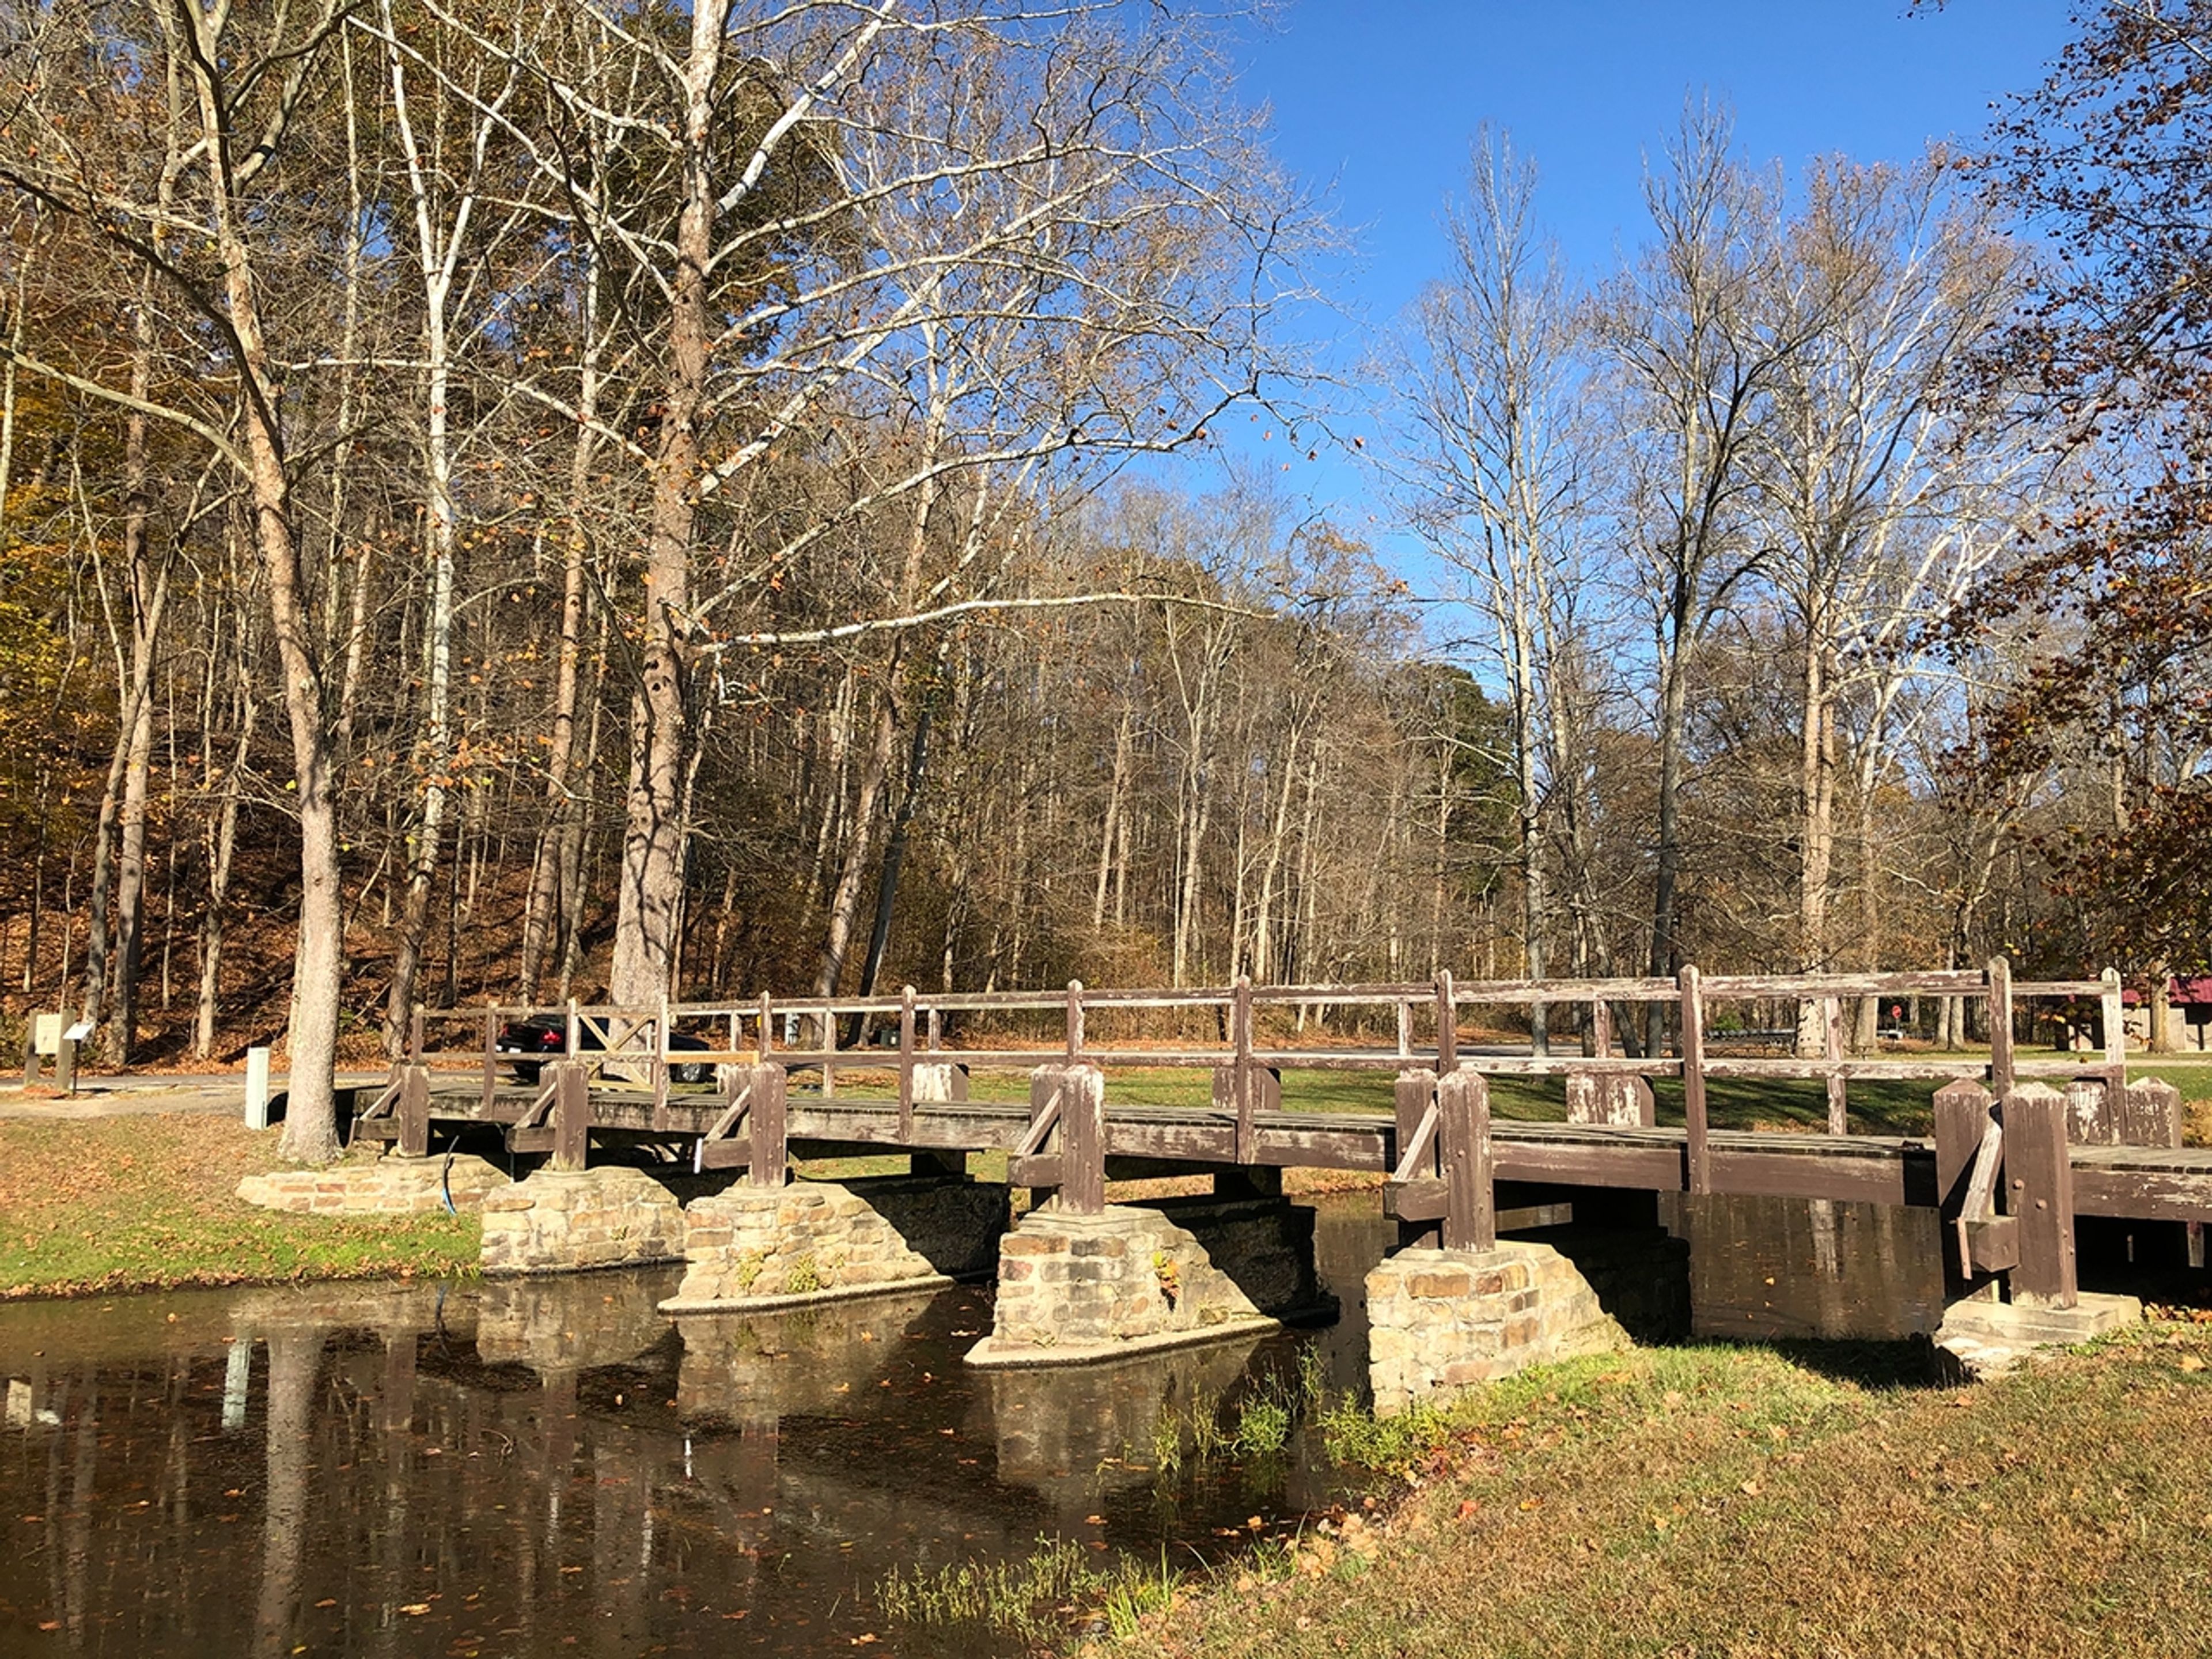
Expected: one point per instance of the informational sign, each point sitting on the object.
(46, 1034)
(78, 1032)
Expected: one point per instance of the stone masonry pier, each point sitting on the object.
(1130, 1279)
(758, 1247)
(1442, 1321)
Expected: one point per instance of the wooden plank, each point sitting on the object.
(1470, 1220)
(2114, 1010)
(1241, 1033)
(2039, 1186)
(1083, 1141)
(1962, 1115)
(906, 1061)
(414, 1113)
(2142, 1195)
(2001, 1058)
(1992, 1246)
(519, 1139)
(1415, 1099)
(721, 1154)
(1447, 1026)
(1040, 1169)
(572, 1114)
(1832, 1045)
(768, 1153)
(1811, 988)
(1699, 1157)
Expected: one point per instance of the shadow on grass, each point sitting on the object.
(1888, 1366)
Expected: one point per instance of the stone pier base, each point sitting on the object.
(389, 1185)
(559, 1221)
(753, 1248)
(1983, 1338)
(1442, 1322)
(1133, 1278)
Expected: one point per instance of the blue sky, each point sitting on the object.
(1377, 101)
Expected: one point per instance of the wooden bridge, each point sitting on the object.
(2011, 1161)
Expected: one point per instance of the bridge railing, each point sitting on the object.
(1427, 1017)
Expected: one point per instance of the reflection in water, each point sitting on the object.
(549, 1466)
(528, 1466)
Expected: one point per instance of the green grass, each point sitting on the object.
(1808, 1499)
(145, 1202)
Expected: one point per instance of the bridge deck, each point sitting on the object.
(2139, 1182)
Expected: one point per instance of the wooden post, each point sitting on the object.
(2000, 994)
(2115, 1035)
(31, 1048)
(2040, 1184)
(1693, 1080)
(1831, 1021)
(1463, 1145)
(490, 1059)
(1962, 1117)
(1447, 1026)
(1601, 1030)
(572, 1115)
(906, 1064)
(414, 1035)
(1248, 1137)
(1416, 1092)
(660, 1067)
(767, 1026)
(413, 1111)
(1405, 1030)
(769, 1164)
(1074, 1020)
(1083, 1141)
(66, 1064)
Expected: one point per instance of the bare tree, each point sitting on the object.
(1698, 336)
(1492, 465)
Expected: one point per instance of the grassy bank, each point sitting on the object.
(1749, 1500)
(131, 1203)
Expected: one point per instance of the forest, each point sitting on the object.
(621, 499)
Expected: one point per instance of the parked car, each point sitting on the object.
(531, 1042)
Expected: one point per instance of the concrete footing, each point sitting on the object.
(389, 1185)
(1135, 1278)
(558, 1222)
(1981, 1339)
(1442, 1322)
(751, 1247)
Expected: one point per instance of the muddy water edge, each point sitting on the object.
(546, 1466)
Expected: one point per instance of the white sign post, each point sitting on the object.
(256, 1088)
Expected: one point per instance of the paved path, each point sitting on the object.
(216, 1092)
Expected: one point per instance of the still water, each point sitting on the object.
(546, 1466)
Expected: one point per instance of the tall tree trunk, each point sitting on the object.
(845, 901)
(310, 1118)
(653, 833)
(1816, 832)
(1674, 708)
(895, 855)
